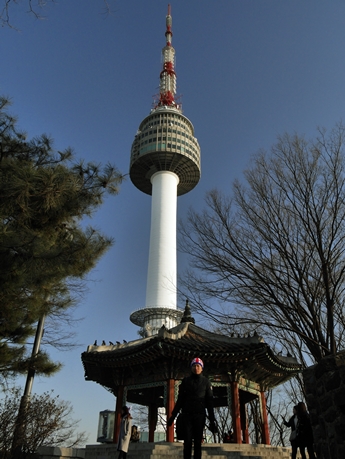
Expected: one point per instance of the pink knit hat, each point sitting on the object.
(197, 361)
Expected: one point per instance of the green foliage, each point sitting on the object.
(47, 422)
(44, 248)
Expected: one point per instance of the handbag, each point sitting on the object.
(180, 426)
(293, 435)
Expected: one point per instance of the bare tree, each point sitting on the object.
(34, 7)
(224, 421)
(48, 422)
(273, 254)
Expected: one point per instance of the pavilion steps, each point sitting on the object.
(165, 450)
(225, 451)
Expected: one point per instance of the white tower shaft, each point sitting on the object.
(162, 271)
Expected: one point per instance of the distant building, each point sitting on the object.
(106, 421)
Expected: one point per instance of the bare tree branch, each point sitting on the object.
(48, 422)
(272, 254)
(35, 8)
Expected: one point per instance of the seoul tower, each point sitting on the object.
(165, 163)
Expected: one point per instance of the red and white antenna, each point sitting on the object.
(167, 85)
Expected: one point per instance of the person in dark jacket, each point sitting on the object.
(195, 395)
(292, 422)
(304, 438)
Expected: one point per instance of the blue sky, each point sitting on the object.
(247, 71)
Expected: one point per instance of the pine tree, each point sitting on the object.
(44, 249)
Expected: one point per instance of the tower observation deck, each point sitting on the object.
(165, 142)
(165, 163)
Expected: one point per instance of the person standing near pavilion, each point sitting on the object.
(292, 422)
(125, 433)
(195, 396)
(304, 438)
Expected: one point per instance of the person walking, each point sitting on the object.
(292, 423)
(195, 395)
(304, 433)
(125, 432)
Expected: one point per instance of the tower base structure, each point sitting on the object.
(151, 320)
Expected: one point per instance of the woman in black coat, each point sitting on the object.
(292, 422)
(305, 438)
(195, 396)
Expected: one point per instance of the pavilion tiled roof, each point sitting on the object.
(168, 355)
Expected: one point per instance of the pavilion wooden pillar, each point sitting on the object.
(236, 414)
(265, 430)
(169, 407)
(153, 416)
(244, 423)
(118, 408)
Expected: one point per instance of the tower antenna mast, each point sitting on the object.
(167, 84)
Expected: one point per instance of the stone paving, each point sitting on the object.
(175, 450)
